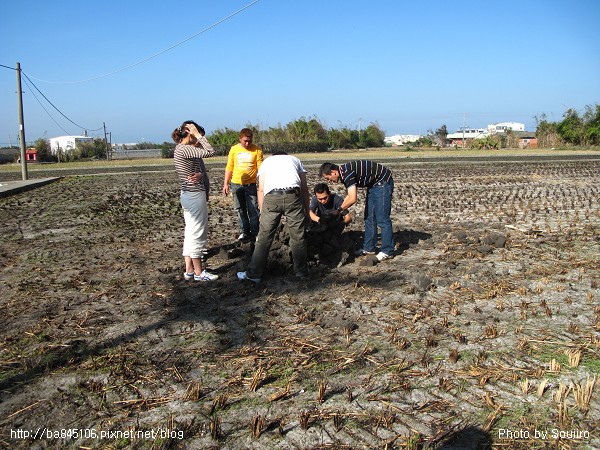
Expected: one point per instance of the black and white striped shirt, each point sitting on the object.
(363, 173)
(188, 160)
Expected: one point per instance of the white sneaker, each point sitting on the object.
(206, 276)
(188, 276)
(363, 252)
(244, 276)
(383, 256)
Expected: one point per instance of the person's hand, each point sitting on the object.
(195, 178)
(191, 128)
(226, 189)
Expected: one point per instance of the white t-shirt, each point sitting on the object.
(281, 171)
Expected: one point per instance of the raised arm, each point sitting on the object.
(260, 192)
(305, 195)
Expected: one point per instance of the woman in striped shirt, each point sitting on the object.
(191, 147)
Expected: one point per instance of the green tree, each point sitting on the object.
(303, 130)
(145, 145)
(43, 148)
(547, 132)
(570, 128)
(511, 138)
(342, 138)
(424, 141)
(274, 135)
(167, 149)
(224, 137)
(439, 136)
(486, 143)
(373, 136)
(591, 120)
(94, 149)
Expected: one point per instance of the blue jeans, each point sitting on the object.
(245, 202)
(377, 213)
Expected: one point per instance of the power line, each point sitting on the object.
(156, 54)
(35, 96)
(59, 111)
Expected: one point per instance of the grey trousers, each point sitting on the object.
(274, 207)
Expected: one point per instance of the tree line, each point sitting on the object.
(310, 135)
(298, 136)
(574, 129)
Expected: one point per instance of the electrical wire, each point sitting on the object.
(49, 115)
(59, 111)
(156, 54)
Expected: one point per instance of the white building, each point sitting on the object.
(480, 133)
(503, 126)
(401, 139)
(67, 143)
(468, 133)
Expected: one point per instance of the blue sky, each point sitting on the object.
(409, 66)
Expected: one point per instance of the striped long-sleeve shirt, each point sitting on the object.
(363, 173)
(188, 160)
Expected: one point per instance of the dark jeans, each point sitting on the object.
(274, 207)
(245, 202)
(377, 213)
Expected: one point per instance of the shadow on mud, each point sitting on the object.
(190, 303)
(224, 303)
(469, 438)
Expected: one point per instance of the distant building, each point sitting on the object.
(480, 133)
(465, 134)
(67, 143)
(503, 127)
(122, 147)
(527, 139)
(401, 139)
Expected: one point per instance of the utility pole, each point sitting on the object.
(464, 125)
(105, 142)
(24, 174)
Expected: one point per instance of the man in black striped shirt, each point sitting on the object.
(380, 186)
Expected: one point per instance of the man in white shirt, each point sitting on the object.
(282, 191)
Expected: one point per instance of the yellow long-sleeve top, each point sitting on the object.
(244, 163)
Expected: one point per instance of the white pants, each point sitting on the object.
(195, 214)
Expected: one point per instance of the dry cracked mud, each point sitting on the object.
(482, 332)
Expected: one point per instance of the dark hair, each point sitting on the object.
(246, 132)
(180, 132)
(321, 188)
(326, 168)
(279, 152)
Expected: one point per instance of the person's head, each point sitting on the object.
(329, 171)
(322, 193)
(181, 134)
(246, 137)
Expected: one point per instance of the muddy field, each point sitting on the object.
(482, 332)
